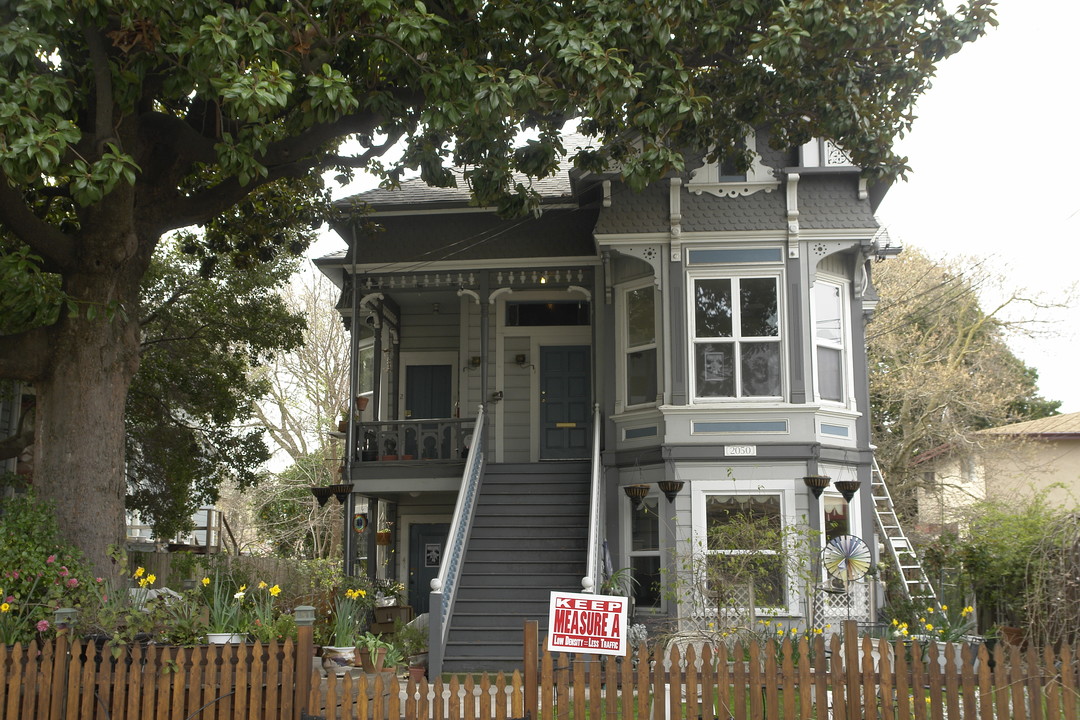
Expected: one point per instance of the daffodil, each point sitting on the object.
(275, 591)
(4, 607)
(139, 572)
(151, 578)
(205, 581)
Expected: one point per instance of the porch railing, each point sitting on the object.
(444, 587)
(444, 439)
(594, 567)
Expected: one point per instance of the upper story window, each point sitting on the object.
(830, 338)
(824, 153)
(639, 338)
(723, 179)
(736, 337)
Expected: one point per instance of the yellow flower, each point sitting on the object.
(139, 572)
(944, 607)
(243, 588)
(930, 610)
(922, 619)
(361, 593)
(262, 584)
(205, 581)
(151, 578)
(143, 582)
(929, 626)
(779, 631)
(4, 607)
(904, 632)
(817, 631)
(275, 591)
(895, 622)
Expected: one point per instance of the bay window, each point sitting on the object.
(645, 553)
(736, 337)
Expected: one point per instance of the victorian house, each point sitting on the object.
(572, 400)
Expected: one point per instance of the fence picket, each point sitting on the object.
(836, 678)
(967, 682)
(1016, 683)
(1070, 670)
(1034, 683)
(885, 692)
(738, 684)
(547, 680)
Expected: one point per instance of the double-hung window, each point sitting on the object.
(645, 560)
(830, 335)
(736, 337)
(639, 331)
(745, 541)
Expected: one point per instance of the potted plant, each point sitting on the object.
(350, 610)
(412, 640)
(382, 535)
(225, 624)
(373, 653)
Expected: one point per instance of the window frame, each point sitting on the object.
(786, 492)
(660, 552)
(844, 346)
(624, 347)
(736, 276)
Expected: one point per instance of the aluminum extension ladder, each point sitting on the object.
(916, 584)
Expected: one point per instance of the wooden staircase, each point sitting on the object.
(528, 538)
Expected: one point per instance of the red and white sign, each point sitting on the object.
(582, 623)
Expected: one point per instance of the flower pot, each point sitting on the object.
(417, 673)
(388, 457)
(343, 426)
(224, 638)
(361, 403)
(382, 537)
(363, 658)
(337, 659)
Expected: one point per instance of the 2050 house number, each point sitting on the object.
(740, 450)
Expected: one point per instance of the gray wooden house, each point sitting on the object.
(553, 399)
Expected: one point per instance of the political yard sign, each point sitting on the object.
(587, 623)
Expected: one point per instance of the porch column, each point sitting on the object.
(485, 334)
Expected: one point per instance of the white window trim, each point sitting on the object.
(759, 176)
(784, 488)
(725, 272)
(847, 380)
(662, 552)
(622, 339)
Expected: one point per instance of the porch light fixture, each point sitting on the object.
(817, 483)
(636, 493)
(322, 494)
(670, 488)
(847, 488)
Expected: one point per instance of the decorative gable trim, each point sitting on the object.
(759, 176)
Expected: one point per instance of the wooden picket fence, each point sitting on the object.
(85, 681)
(844, 678)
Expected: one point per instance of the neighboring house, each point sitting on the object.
(1012, 463)
(715, 321)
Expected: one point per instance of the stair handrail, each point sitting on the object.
(444, 587)
(592, 580)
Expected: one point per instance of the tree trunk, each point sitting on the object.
(79, 447)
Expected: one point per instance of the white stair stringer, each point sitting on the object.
(916, 584)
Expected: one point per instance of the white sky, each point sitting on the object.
(996, 171)
(996, 165)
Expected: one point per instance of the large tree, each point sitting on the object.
(121, 121)
(940, 364)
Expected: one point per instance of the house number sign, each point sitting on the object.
(740, 450)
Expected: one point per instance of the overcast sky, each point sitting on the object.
(996, 171)
(996, 163)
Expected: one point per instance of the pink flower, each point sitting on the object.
(72, 582)
(64, 571)
(9, 599)
(50, 560)
(100, 580)
(15, 574)
(42, 625)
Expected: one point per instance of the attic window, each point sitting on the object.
(722, 179)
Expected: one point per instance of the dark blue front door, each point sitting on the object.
(565, 402)
(427, 395)
(426, 543)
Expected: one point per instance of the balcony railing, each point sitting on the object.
(439, 440)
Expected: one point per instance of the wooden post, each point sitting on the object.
(63, 618)
(305, 651)
(532, 674)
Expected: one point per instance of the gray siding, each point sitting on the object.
(635, 212)
(832, 201)
(423, 330)
(708, 213)
(516, 406)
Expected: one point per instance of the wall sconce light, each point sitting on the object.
(474, 361)
(670, 488)
(817, 483)
(636, 493)
(847, 488)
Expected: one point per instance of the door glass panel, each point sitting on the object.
(645, 526)
(713, 313)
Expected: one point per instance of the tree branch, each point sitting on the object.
(56, 248)
(103, 94)
(25, 355)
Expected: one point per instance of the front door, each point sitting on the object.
(565, 402)
(426, 544)
(427, 395)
